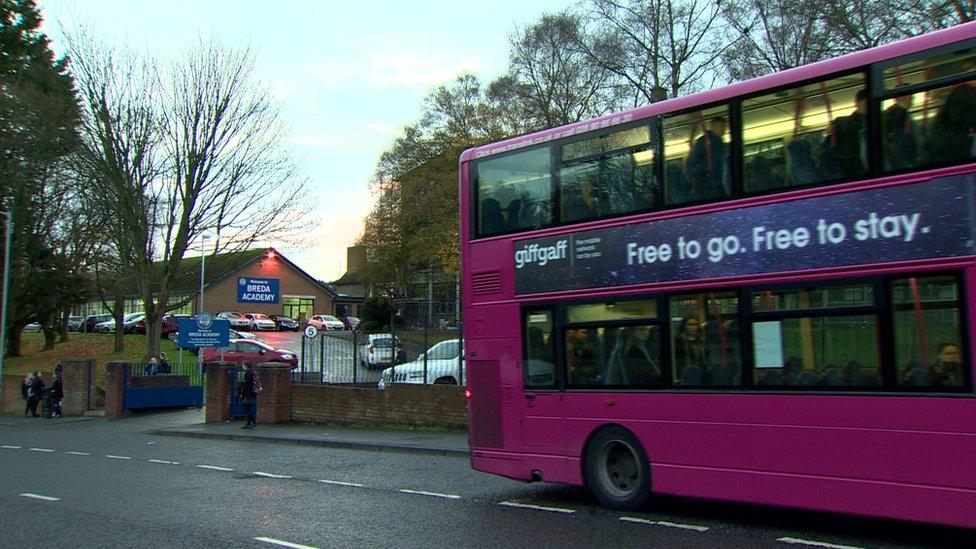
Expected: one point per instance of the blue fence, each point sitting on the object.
(179, 387)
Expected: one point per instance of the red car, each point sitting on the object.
(170, 325)
(251, 351)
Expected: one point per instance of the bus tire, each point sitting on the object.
(616, 469)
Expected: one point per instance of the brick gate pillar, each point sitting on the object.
(76, 379)
(219, 391)
(115, 373)
(274, 403)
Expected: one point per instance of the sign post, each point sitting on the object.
(204, 331)
(258, 290)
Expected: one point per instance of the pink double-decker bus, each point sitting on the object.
(761, 293)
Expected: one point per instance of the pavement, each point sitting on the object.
(447, 443)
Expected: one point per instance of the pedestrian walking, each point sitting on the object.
(247, 394)
(34, 394)
(57, 393)
(27, 392)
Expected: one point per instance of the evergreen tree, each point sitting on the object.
(38, 121)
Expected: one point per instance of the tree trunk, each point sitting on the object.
(63, 329)
(13, 342)
(50, 338)
(118, 313)
(154, 319)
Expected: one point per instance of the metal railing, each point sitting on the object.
(362, 358)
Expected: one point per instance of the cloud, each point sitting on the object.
(384, 129)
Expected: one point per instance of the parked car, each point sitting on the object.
(236, 318)
(326, 322)
(129, 322)
(443, 360)
(251, 351)
(33, 327)
(285, 323)
(75, 322)
(94, 320)
(260, 321)
(169, 324)
(376, 351)
(350, 322)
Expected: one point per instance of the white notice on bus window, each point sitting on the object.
(767, 344)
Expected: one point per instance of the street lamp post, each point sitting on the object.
(6, 290)
(203, 255)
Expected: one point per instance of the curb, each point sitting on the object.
(333, 443)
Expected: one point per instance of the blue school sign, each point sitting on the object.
(204, 331)
(257, 290)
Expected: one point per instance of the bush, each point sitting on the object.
(376, 313)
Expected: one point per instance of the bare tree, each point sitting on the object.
(557, 82)
(775, 35)
(862, 24)
(192, 150)
(655, 45)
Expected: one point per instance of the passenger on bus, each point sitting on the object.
(900, 133)
(796, 375)
(954, 131)
(849, 138)
(707, 162)
(689, 350)
(580, 200)
(583, 357)
(492, 221)
(948, 371)
(633, 359)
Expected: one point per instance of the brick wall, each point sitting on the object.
(441, 405)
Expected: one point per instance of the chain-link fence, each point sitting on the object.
(364, 358)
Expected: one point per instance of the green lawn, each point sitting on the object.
(79, 345)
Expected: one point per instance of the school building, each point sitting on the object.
(251, 281)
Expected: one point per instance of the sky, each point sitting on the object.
(348, 77)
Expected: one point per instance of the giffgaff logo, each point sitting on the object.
(540, 255)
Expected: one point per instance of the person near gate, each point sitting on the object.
(57, 393)
(34, 394)
(247, 394)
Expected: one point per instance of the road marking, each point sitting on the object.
(40, 450)
(284, 543)
(340, 483)
(39, 497)
(215, 468)
(799, 541)
(78, 453)
(536, 507)
(665, 523)
(8, 447)
(110, 456)
(164, 462)
(270, 475)
(435, 494)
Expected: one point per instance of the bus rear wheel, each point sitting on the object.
(617, 470)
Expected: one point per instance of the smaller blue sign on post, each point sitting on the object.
(257, 290)
(204, 332)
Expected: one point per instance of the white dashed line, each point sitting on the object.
(78, 453)
(40, 450)
(270, 475)
(164, 462)
(799, 541)
(214, 468)
(434, 494)
(39, 497)
(8, 447)
(665, 523)
(110, 456)
(284, 543)
(340, 483)
(536, 507)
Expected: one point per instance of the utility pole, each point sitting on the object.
(6, 290)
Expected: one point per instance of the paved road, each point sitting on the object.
(112, 484)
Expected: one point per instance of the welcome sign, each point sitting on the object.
(936, 218)
(257, 290)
